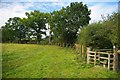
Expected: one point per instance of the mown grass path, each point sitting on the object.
(44, 61)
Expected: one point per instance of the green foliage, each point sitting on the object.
(112, 24)
(21, 29)
(37, 61)
(7, 35)
(94, 35)
(66, 22)
(103, 34)
(36, 22)
(11, 29)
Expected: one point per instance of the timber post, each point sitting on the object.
(108, 61)
(95, 58)
(82, 51)
(115, 61)
(88, 50)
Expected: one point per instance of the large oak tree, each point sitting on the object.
(36, 21)
(67, 22)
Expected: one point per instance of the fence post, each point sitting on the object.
(98, 57)
(66, 45)
(63, 44)
(115, 60)
(82, 51)
(95, 59)
(88, 50)
(108, 61)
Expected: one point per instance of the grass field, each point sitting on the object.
(43, 61)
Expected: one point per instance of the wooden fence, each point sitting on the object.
(107, 58)
(80, 49)
(60, 44)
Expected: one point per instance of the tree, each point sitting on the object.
(66, 23)
(10, 30)
(14, 30)
(7, 35)
(23, 30)
(36, 22)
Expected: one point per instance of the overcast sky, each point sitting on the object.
(17, 8)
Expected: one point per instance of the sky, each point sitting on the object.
(17, 8)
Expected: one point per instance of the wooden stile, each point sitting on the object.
(108, 59)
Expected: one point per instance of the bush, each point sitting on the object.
(95, 36)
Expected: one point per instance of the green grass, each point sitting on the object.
(44, 61)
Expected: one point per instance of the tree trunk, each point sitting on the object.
(49, 38)
(38, 39)
(20, 38)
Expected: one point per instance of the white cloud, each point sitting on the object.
(101, 9)
(60, 0)
(8, 10)
(12, 10)
(16, 9)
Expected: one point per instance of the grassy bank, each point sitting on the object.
(38, 61)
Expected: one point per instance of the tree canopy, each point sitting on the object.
(66, 22)
(36, 23)
(18, 29)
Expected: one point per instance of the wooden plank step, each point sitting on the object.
(103, 62)
(105, 53)
(110, 52)
(103, 58)
(92, 52)
(92, 55)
